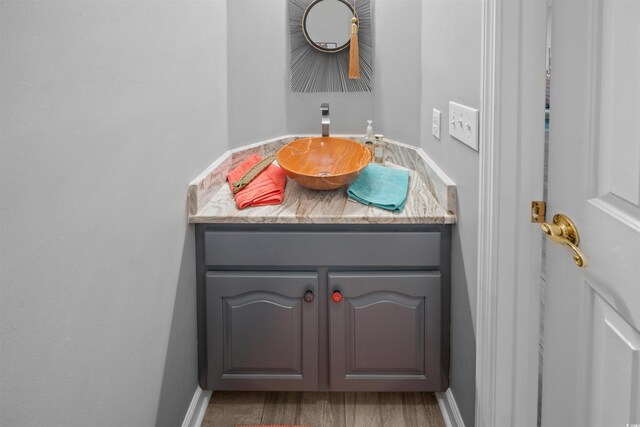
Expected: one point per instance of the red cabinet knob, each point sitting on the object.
(336, 296)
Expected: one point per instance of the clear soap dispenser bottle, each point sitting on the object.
(369, 138)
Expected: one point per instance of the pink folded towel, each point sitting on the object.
(266, 189)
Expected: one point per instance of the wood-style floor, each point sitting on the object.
(229, 409)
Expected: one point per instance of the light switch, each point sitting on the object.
(435, 123)
(463, 124)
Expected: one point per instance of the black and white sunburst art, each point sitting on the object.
(316, 71)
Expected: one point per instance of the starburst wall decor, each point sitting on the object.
(315, 71)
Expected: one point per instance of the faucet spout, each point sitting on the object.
(326, 122)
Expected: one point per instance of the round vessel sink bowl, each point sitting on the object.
(323, 163)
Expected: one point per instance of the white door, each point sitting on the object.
(591, 357)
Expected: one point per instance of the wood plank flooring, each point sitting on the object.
(229, 409)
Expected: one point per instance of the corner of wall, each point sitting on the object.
(256, 61)
(451, 68)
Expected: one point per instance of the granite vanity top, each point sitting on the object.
(431, 198)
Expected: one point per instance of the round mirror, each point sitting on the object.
(326, 24)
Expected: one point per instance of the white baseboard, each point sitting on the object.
(449, 409)
(197, 408)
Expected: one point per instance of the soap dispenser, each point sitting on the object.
(369, 138)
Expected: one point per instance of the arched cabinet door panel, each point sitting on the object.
(261, 332)
(385, 331)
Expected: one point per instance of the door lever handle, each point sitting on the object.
(564, 231)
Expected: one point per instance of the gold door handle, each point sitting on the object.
(564, 231)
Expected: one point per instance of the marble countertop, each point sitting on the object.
(431, 198)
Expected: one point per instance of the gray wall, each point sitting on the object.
(394, 103)
(398, 78)
(261, 104)
(451, 45)
(108, 110)
(258, 71)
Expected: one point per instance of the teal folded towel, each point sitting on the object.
(381, 186)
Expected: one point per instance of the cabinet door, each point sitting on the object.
(261, 333)
(385, 332)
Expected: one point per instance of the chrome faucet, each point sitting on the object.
(324, 108)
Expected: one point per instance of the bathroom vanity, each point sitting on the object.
(321, 293)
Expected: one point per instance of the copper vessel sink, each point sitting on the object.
(323, 163)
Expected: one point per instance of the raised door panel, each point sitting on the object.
(261, 334)
(615, 367)
(385, 333)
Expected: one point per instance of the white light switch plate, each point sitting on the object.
(463, 124)
(435, 123)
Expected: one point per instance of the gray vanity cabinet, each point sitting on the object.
(268, 318)
(265, 333)
(384, 333)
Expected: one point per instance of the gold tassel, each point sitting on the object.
(354, 54)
